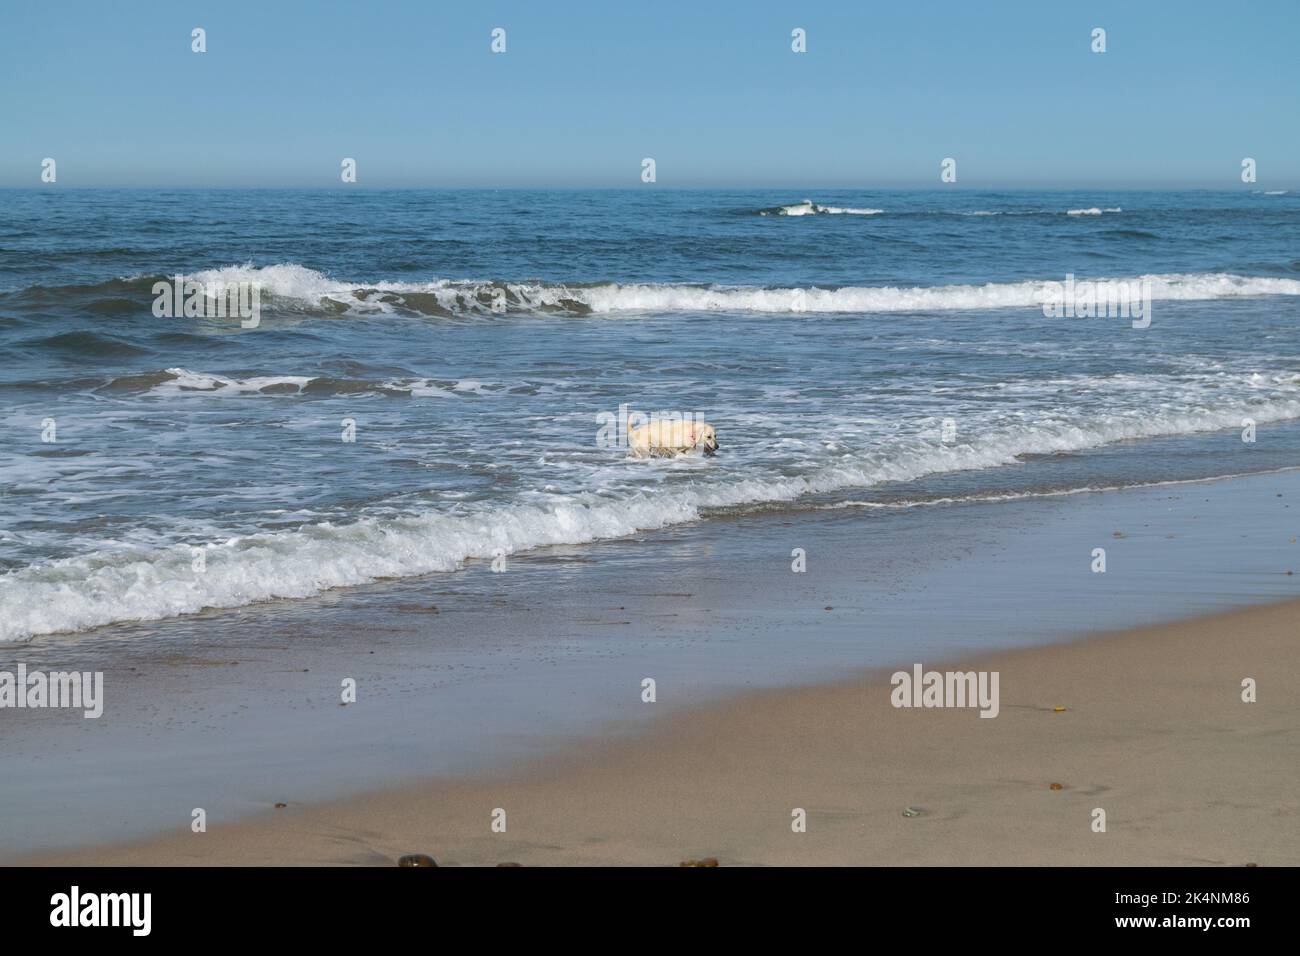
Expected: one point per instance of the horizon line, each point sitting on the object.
(650, 187)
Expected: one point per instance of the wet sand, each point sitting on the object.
(522, 691)
(1154, 732)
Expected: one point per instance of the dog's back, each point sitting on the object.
(671, 437)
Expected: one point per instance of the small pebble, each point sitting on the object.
(416, 859)
(911, 811)
(281, 806)
(1057, 786)
(1059, 710)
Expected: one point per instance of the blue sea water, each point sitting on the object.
(874, 349)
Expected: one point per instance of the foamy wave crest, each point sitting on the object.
(446, 297)
(1094, 211)
(113, 586)
(810, 208)
(287, 280)
(183, 381)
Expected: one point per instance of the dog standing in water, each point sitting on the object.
(672, 438)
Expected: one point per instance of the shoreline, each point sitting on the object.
(472, 676)
(1154, 732)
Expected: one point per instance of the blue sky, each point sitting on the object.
(411, 90)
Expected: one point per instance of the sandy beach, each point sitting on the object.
(773, 694)
(1154, 732)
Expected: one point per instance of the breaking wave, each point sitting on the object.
(447, 297)
(810, 208)
(110, 586)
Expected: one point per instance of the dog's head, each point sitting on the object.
(708, 440)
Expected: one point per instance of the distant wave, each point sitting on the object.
(449, 298)
(142, 584)
(296, 290)
(182, 381)
(1130, 234)
(810, 208)
(1090, 211)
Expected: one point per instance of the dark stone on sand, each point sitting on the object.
(281, 806)
(416, 859)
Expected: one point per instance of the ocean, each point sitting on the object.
(432, 374)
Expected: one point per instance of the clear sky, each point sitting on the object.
(711, 91)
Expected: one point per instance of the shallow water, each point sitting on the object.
(887, 350)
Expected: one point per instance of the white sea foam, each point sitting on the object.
(1094, 211)
(287, 280)
(423, 388)
(848, 211)
(184, 380)
(297, 282)
(810, 208)
(140, 584)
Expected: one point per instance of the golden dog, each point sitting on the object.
(672, 438)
